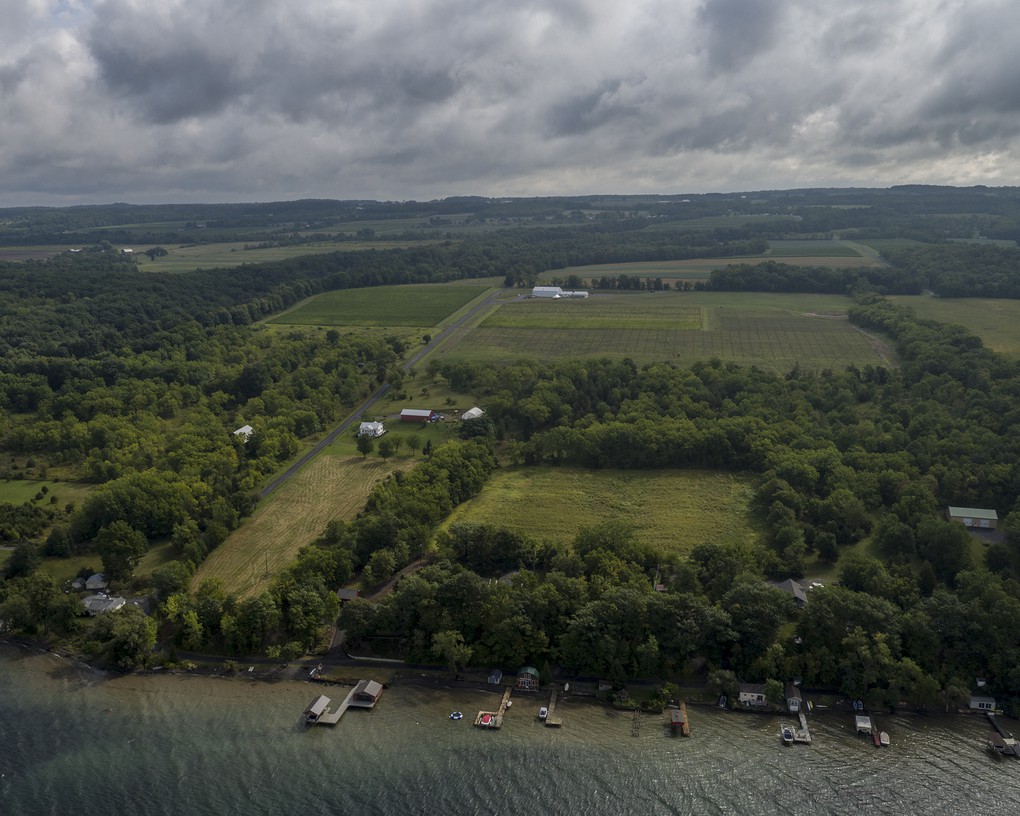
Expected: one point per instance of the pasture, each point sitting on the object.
(673, 510)
(329, 487)
(995, 320)
(19, 491)
(420, 305)
(772, 331)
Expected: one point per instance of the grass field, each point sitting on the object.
(329, 487)
(774, 331)
(812, 249)
(19, 491)
(671, 509)
(995, 321)
(416, 305)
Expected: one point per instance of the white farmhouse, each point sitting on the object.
(372, 429)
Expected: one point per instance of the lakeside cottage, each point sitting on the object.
(527, 679)
(751, 694)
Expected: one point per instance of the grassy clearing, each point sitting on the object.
(416, 305)
(995, 321)
(330, 487)
(774, 331)
(674, 510)
(811, 248)
(19, 491)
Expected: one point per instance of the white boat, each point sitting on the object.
(883, 738)
(787, 735)
(543, 712)
(509, 703)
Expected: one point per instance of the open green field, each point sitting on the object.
(670, 509)
(811, 249)
(421, 305)
(329, 487)
(19, 491)
(773, 331)
(994, 320)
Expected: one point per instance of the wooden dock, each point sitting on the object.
(494, 719)
(320, 713)
(551, 720)
(802, 735)
(1002, 741)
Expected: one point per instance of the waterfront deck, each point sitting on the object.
(364, 695)
(678, 719)
(1002, 741)
(494, 719)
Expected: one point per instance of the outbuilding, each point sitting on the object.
(96, 582)
(372, 429)
(547, 292)
(472, 413)
(366, 693)
(973, 517)
(793, 698)
(419, 415)
(244, 432)
(751, 694)
(982, 703)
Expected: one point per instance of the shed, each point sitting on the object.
(527, 678)
(495, 677)
(982, 703)
(751, 694)
(420, 415)
(98, 604)
(547, 292)
(348, 594)
(244, 432)
(472, 413)
(372, 429)
(96, 582)
(973, 517)
(367, 691)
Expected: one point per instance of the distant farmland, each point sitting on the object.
(422, 305)
(773, 331)
(673, 510)
(995, 321)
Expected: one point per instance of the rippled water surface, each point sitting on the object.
(74, 741)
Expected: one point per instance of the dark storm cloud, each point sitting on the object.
(235, 99)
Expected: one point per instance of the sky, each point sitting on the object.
(148, 101)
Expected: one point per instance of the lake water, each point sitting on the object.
(75, 741)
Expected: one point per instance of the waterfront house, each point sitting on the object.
(527, 679)
(793, 698)
(982, 703)
(751, 694)
(973, 517)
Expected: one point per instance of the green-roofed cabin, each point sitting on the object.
(527, 678)
(975, 517)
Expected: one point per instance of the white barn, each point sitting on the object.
(372, 429)
(547, 292)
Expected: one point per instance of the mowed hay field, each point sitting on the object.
(670, 509)
(773, 331)
(329, 487)
(421, 305)
(995, 321)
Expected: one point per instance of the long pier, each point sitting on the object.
(1001, 740)
(551, 720)
(494, 719)
(802, 734)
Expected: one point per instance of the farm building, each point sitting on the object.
(973, 517)
(372, 429)
(577, 294)
(421, 415)
(547, 292)
(244, 432)
(527, 678)
(472, 413)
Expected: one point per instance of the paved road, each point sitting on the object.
(378, 395)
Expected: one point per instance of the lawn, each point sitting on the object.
(19, 491)
(421, 305)
(329, 487)
(773, 331)
(670, 509)
(995, 321)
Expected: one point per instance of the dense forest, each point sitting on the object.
(134, 382)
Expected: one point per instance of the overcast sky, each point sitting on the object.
(258, 100)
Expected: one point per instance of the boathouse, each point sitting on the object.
(316, 708)
(527, 679)
(794, 700)
(366, 694)
(974, 517)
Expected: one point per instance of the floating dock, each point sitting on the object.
(494, 719)
(678, 719)
(551, 720)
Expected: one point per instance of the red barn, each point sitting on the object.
(419, 415)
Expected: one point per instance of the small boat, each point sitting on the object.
(543, 712)
(486, 719)
(787, 735)
(456, 715)
(509, 703)
(723, 702)
(884, 739)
